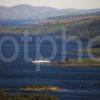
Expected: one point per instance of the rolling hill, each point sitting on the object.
(83, 27)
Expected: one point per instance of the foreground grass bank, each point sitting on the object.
(6, 96)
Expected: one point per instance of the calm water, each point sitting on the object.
(79, 83)
(14, 22)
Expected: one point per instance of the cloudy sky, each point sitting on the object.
(60, 4)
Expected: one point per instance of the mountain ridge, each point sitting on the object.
(25, 11)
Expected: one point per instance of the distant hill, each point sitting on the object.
(25, 12)
(30, 12)
(97, 13)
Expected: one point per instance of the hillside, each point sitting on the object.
(87, 28)
(83, 27)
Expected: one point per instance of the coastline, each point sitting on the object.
(74, 65)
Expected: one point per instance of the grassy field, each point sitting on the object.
(94, 51)
(84, 61)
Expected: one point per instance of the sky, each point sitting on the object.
(60, 4)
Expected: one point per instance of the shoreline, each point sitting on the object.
(74, 65)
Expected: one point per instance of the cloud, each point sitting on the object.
(80, 4)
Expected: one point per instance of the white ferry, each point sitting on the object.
(40, 61)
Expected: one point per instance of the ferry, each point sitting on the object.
(40, 61)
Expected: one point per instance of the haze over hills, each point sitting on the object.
(29, 12)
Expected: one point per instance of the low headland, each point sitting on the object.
(41, 88)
